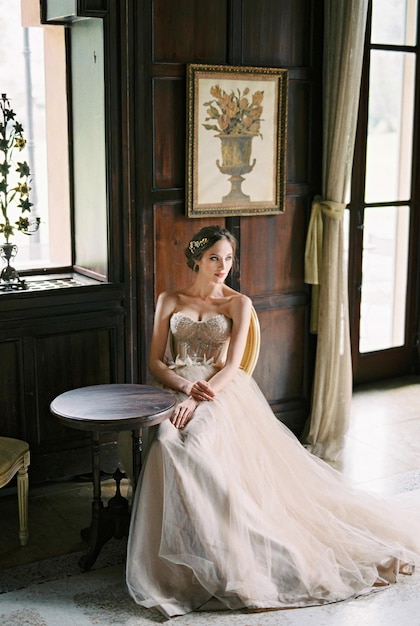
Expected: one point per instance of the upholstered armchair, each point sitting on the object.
(15, 459)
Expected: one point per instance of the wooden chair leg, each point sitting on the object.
(22, 489)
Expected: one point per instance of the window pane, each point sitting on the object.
(89, 146)
(24, 80)
(22, 77)
(390, 128)
(384, 270)
(394, 22)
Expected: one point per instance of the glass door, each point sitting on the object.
(383, 210)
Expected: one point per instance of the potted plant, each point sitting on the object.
(15, 205)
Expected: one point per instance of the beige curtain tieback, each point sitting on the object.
(314, 239)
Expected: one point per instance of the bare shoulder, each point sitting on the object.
(240, 304)
(167, 302)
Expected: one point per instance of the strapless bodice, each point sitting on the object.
(200, 341)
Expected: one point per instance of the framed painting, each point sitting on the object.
(236, 140)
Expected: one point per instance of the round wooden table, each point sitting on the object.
(111, 408)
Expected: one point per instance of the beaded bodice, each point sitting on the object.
(200, 341)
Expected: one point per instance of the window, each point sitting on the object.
(33, 74)
(388, 174)
(383, 204)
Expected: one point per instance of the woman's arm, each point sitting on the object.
(165, 306)
(183, 412)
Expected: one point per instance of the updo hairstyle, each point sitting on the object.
(205, 239)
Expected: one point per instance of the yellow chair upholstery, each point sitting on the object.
(253, 344)
(15, 459)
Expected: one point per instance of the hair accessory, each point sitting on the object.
(193, 246)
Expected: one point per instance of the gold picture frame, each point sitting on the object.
(236, 140)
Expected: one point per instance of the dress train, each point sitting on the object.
(234, 508)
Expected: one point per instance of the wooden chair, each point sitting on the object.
(15, 458)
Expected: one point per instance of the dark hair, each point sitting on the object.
(205, 239)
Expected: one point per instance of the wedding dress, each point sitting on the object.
(234, 508)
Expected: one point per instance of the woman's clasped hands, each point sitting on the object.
(200, 391)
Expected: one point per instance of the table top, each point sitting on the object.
(113, 407)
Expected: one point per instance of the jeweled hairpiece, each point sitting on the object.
(193, 246)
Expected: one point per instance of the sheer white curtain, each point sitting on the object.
(344, 31)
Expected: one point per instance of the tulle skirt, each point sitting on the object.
(234, 509)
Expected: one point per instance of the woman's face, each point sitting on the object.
(216, 262)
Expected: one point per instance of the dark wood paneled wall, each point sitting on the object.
(97, 333)
(167, 35)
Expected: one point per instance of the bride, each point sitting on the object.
(231, 511)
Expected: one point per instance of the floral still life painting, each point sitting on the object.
(234, 113)
(236, 140)
(238, 121)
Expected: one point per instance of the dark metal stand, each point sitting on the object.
(9, 277)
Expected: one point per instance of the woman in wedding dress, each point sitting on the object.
(231, 511)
